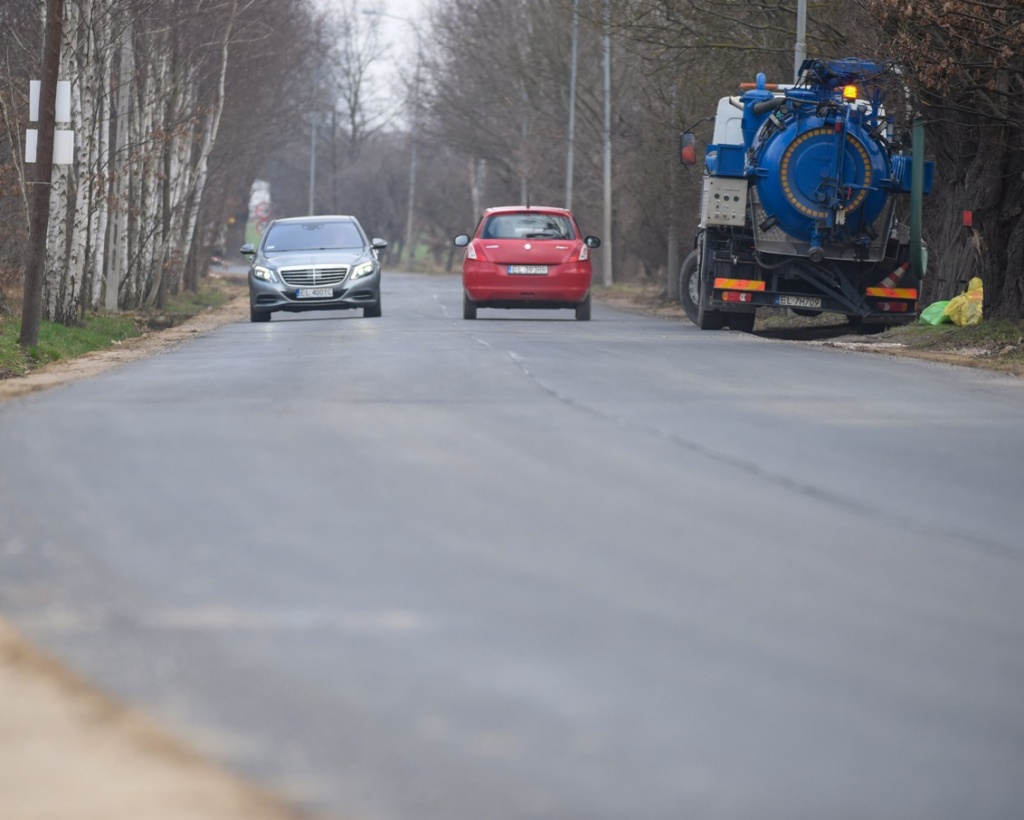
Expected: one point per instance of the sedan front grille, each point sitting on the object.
(314, 275)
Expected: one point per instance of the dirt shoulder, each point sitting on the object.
(68, 752)
(148, 344)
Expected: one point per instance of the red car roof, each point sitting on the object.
(505, 209)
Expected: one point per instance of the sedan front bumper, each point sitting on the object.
(274, 296)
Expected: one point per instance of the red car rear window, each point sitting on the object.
(528, 226)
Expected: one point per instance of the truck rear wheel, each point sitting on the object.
(690, 295)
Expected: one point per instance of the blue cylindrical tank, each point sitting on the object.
(823, 177)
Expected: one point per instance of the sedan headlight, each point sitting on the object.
(359, 271)
(266, 274)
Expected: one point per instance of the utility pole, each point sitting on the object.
(800, 51)
(569, 161)
(673, 217)
(606, 279)
(410, 215)
(410, 251)
(32, 303)
(312, 164)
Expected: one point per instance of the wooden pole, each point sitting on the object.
(32, 303)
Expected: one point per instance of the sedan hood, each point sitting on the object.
(330, 256)
(528, 251)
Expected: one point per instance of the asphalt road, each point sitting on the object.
(419, 568)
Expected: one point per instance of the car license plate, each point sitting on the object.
(800, 301)
(528, 270)
(314, 293)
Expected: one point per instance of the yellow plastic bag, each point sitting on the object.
(965, 309)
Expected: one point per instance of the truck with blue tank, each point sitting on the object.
(798, 204)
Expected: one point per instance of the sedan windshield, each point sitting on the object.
(528, 226)
(312, 236)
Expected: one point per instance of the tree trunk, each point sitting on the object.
(64, 253)
(99, 208)
(211, 127)
(1004, 228)
(983, 177)
(117, 264)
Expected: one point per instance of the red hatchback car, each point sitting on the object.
(527, 257)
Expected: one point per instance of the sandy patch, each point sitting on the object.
(67, 751)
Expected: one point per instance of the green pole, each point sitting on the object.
(916, 198)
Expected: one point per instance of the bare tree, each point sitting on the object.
(965, 62)
(503, 98)
(357, 50)
(159, 88)
(498, 90)
(684, 55)
(272, 84)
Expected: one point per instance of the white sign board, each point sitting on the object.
(63, 104)
(33, 100)
(63, 108)
(63, 147)
(63, 140)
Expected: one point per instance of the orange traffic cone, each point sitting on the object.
(893, 279)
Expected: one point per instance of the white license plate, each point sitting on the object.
(314, 293)
(800, 301)
(528, 270)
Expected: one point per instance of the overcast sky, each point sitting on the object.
(397, 36)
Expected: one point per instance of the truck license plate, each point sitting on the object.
(799, 301)
(314, 293)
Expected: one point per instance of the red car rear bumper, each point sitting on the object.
(487, 282)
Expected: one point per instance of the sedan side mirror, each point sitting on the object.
(461, 240)
(248, 249)
(378, 243)
(592, 242)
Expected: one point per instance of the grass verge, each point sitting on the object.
(59, 342)
(995, 345)
(99, 331)
(991, 345)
